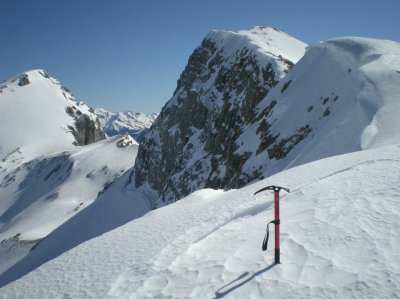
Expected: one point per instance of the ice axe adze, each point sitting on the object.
(276, 221)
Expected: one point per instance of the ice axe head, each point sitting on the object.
(274, 188)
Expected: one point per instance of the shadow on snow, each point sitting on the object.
(237, 283)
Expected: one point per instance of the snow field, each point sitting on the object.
(48, 191)
(339, 238)
(56, 192)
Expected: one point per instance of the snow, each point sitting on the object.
(274, 41)
(340, 231)
(48, 191)
(87, 176)
(356, 79)
(47, 179)
(44, 178)
(266, 40)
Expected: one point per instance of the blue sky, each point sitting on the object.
(127, 55)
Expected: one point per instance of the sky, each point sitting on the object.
(128, 54)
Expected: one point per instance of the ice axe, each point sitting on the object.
(276, 221)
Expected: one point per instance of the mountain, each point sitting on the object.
(55, 160)
(191, 145)
(249, 106)
(339, 98)
(39, 115)
(229, 123)
(133, 123)
(339, 239)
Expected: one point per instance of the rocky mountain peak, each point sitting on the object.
(246, 106)
(192, 143)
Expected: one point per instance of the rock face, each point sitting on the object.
(86, 129)
(192, 144)
(23, 80)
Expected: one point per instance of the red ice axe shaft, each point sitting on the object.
(276, 220)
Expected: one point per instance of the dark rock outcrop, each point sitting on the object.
(87, 131)
(23, 80)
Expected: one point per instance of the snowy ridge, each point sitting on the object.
(134, 123)
(342, 96)
(266, 40)
(334, 231)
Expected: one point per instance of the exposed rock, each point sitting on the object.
(193, 143)
(125, 141)
(23, 80)
(86, 130)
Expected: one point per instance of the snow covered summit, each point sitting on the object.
(39, 115)
(265, 41)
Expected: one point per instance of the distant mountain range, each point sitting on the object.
(133, 123)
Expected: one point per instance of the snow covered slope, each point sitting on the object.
(134, 123)
(340, 234)
(342, 96)
(43, 193)
(52, 164)
(118, 205)
(38, 116)
(191, 145)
